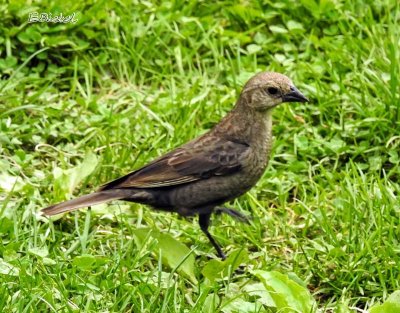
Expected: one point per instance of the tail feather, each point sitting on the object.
(86, 200)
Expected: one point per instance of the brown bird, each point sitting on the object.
(199, 176)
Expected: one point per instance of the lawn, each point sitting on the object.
(83, 103)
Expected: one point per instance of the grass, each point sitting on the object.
(81, 104)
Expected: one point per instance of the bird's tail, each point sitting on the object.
(87, 200)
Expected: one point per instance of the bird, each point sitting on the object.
(198, 177)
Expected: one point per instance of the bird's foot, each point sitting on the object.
(204, 222)
(234, 213)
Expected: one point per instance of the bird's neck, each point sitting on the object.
(248, 126)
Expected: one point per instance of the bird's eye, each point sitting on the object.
(272, 90)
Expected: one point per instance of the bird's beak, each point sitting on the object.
(294, 95)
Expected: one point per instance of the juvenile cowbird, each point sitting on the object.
(222, 164)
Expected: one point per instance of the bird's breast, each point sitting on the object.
(256, 164)
(220, 188)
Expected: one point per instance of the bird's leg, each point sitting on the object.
(204, 222)
(234, 213)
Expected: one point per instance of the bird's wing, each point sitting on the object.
(191, 162)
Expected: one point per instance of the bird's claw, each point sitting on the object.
(234, 213)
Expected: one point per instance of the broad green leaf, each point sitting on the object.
(394, 157)
(342, 308)
(391, 305)
(9, 254)
(48, 261)
(6, 224)
(335, 144)
(215, 269)
(29, 36)
(257, 289)
(67, 180)
(85, 261)
(141, 235)
(8, 269)
(83, 170)
(288, 295)
(301, 142)
(211, 303)
(8, 62)
(253, 48)
(293, 26)
(279, 29)
(173, 253)
(9, 182)
(241, 306)
(40, 252)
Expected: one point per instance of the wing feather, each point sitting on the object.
(188, 163)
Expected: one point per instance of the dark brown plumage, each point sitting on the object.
(217, 167)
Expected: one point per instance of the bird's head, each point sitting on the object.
(266, 90)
